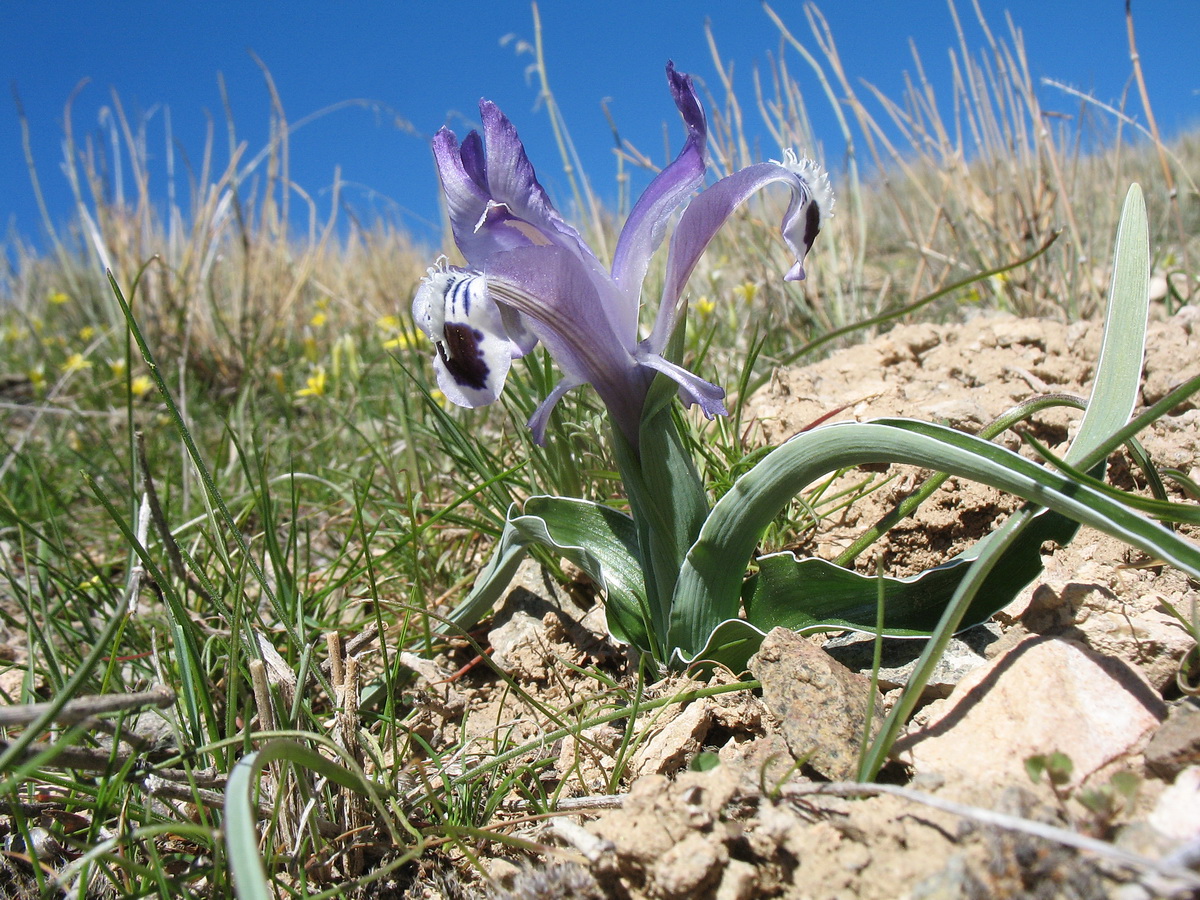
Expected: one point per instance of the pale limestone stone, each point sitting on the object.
(1177, 812)
(675, 743)
(1043, 695)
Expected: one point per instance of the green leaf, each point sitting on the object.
(709, 586)
(731, 644)
(705, 761)
(598, 539)
(811, 595)
(816, 595)
(1114, 393)
(1123, 348)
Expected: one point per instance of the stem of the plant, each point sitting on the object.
(668, 504)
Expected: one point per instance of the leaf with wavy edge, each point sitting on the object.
(816, 595)
(710, 584)
(600, 540)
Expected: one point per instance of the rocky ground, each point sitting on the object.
(1086, 663)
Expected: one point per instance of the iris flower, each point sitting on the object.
(530, 276)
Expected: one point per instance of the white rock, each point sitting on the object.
(1177, 813)
(1043, 695)
(677, 741)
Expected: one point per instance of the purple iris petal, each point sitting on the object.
(473, 161)
(563, 302)
(541, 416)
(466, 197)
(513, 182)
(692, 388)
(647, 222)
(534, 279)
(810, 205)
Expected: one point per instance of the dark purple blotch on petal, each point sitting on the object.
(462, 357)
(812, 225)
(472, 156)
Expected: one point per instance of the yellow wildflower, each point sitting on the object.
(316, 384)
(86, 333)
(747, 291)
(117, 367)
(76, 362)
(310, 348)
(705, 307)
(141, 385)
(389, 323)
(58, 298)
(37, 378)
(318, 320)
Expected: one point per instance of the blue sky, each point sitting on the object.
(418, 64)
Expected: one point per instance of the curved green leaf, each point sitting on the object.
(1114, 393)
(600, 540)
(250, 880)
(710, 583)
(241, 832)
(816, 595)
(812, 594)
(1123, 347)
(731, 644)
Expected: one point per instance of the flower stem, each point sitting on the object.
(666, 499)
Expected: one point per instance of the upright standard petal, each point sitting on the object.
(464, 188)
(512, 183)
(810, 206)
(670, 189)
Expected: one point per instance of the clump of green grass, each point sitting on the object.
(284, 477)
